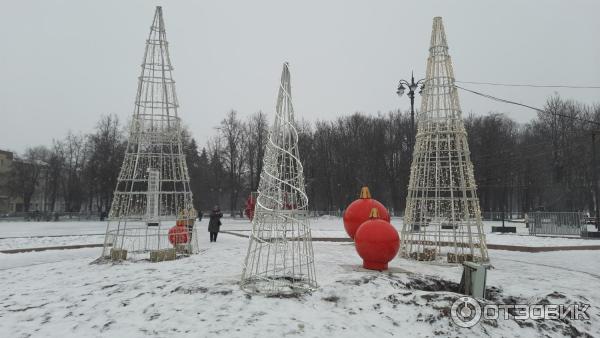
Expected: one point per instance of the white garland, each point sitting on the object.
(280, 256)
(154, 145)
(442, 219)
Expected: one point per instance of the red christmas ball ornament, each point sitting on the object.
(178, 235)
(377, 242)
(358, 211)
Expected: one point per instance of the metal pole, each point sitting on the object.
(412, 119)
(412, 110)
(595, 179)
(504, 202)
(411, 86)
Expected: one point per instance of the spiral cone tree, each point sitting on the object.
(280, 254)
(442, 217)
(153, 188)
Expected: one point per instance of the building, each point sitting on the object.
(6, 158)
(10, 203)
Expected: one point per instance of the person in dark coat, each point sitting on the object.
(215, 223)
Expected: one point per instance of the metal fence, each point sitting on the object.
(340, 213)
(492, 215)
(485, 215)
(556, 223)
(499, 215)
(319, 213)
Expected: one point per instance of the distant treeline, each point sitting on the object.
(543, 164)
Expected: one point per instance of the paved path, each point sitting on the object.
(336, 239)
(64, 247)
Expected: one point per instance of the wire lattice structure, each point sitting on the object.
(442, 218)
(153, 187)
(280, 256)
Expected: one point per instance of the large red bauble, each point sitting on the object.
(178, 235)
(358, 212)
(377, 242)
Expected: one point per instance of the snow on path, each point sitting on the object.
(29, 229)
(199, 296)
(12, 261)
(38, 242)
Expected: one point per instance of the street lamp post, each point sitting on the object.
(412, 86)
(595, 179)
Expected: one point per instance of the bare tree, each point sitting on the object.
(54, 176)
(232, 131)
(257, 136)
(104, 149)
(396, 128)
(73, 153)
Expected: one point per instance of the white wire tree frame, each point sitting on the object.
(442, 217)
(280, 257)
(153, 188)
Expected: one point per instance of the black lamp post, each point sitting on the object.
(595, 179)
(412, 86)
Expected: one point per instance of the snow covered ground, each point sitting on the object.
(21, 229)
(20, 235)
(58, 293)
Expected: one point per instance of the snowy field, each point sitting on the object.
(58, 293)
(20, 235)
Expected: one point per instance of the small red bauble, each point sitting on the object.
(377, 242)
(358, 212)
(178, 235)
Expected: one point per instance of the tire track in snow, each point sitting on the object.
(24, 260)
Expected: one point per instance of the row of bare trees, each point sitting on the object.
(74, 174)
(543, 164)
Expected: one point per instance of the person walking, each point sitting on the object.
(215, 223)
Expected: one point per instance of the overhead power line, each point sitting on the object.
(491, 97)
(529, 85)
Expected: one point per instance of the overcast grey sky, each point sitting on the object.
(64, 63)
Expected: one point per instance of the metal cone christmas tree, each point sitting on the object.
(280, 254)
(442, 219)
(153, 188)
